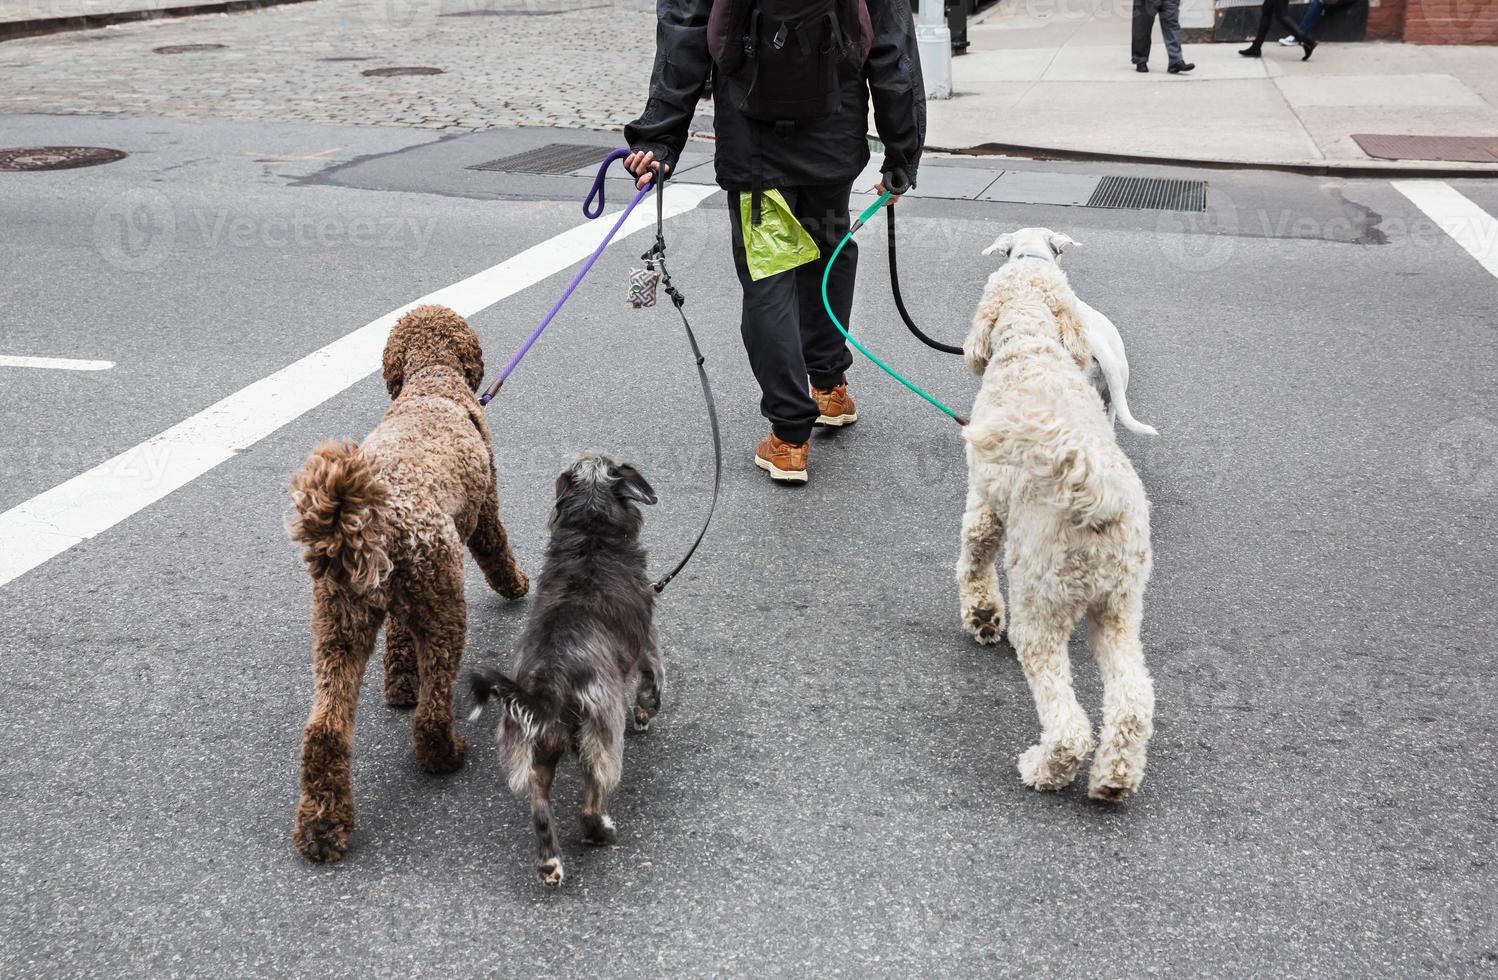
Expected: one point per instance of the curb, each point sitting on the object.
(16, 29)
(1348, 170)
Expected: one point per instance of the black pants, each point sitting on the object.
(786, 331)
(1277, 10)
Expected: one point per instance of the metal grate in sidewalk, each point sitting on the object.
(1149, 194)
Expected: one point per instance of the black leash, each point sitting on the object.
(657, 254)
(894, 285)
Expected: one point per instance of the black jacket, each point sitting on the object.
(826, 151)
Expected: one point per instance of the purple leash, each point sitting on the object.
(590, 210)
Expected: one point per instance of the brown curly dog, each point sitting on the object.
(383, 527)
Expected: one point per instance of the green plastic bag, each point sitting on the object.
(778, 242)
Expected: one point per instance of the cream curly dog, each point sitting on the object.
(383, 527)
(1045, 472)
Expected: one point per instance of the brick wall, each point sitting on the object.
(1450, 21)
(1385, 20)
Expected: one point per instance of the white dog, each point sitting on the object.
(1110, 366)
(1047, 481)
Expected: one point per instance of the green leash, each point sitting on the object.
(868, 213)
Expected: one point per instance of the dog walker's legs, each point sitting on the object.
(977, 579)
(1128, 700)
(401, 676)
(344, 637)
(491, 550)
(1065, 733)
(548, 857)
(648, 697)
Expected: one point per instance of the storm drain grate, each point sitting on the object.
(1456, 149)
(57, 157)
(553, 158)
(391, 72)
(187, 48)
(1149, 194)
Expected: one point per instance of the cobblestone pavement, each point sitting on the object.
(549, 63)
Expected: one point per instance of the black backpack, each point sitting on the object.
(784, 60)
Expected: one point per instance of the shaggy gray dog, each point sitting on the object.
(588, 646)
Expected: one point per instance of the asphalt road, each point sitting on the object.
(830, 789)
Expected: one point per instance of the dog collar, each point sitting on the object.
(1035, 255)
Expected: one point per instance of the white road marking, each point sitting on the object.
(1469, 225)
(54, 363)
(50, 523)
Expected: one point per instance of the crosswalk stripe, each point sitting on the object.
(50, 523)
(1468, 225)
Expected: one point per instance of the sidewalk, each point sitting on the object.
(34, 18)
(1040, 75)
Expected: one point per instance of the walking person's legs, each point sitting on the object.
(771, 327)
(1311, 19)
(1170, 33)
(823, 212)
(1144, 25)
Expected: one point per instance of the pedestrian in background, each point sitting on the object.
(1278, 10)
(1169, 14)
(792, 85)
(1307, 24)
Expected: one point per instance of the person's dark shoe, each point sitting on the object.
(835, 406)
(1309, 46)
(1180, 67)
(1142, 69)
(784, 461)
(1253, 51)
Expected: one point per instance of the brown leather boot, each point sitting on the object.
(784, 461)
(835, 405)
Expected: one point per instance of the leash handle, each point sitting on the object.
(590, 210)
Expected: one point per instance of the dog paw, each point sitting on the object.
(1115, 775)
(324, 841)
(518, 585)
(1049, 766)
(440, 756)
(985, 624)
(643, 718)
(550, 872)
(599, 831)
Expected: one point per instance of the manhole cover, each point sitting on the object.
(553, 158)
(187, 48)
(1149, 194)
(388, 72)
(1451, 149)
(57, 157)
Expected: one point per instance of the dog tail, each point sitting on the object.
(1066, 463)
(340, 518)
(1121, 405)
(531, 712)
